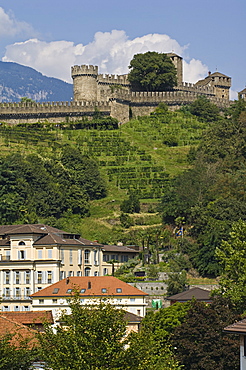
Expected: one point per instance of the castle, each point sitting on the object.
(112, 96)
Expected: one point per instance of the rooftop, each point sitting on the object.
(97, 286)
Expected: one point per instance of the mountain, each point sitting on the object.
(17, 81)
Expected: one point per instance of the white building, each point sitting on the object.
(33, 257)
(91, 291)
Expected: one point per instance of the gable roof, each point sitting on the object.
(29, 317)
(93, 286)
(187, 295)
(47, 235)
(237, 328)
(20, 332)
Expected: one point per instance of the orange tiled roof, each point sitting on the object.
(93, 286)
(29, 317)
(19, 331)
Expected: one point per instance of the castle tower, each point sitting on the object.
(178, 63)
(220, 83)
(85, 82)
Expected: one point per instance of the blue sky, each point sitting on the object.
(53, 35)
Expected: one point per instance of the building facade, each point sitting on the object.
(33, 257)
(92, 290)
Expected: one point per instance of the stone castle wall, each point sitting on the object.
(111, 95)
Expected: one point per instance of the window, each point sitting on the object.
(62, 256)
(79, 257)
(49, 277)
(105, 271)
(7, 255)
(40, 277)
(41, 301)
(22, 255)
(7, 277)
(17, 293)
(87, 256)
(27, 277)
(95, 258)
(124, 258)
(27, 292)
(71, 256)
(118, 290)
(40, 254)
(105, 257)
(17, 277)
(49, 253)
(7, 292)
(87, 271)
(104, 290)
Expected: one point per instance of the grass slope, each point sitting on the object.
(140, 156)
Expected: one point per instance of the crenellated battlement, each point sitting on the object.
(110, 79)
(84, 70)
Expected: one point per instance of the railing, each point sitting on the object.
(15, 297)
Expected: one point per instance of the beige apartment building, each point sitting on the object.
(34, 256)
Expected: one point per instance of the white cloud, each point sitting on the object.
(110, 51)
(10, 27)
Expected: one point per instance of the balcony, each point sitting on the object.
(15, 298)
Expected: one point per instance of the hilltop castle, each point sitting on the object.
(112, 95)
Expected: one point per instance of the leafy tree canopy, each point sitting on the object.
(200, 341)
(152, 71)
(232, 257)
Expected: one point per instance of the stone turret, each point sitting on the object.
(178, 63)
(242, 94)
(85, 82)
(220, 82)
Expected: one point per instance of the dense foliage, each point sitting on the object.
(94, 338)
(200, 342)
(211, 195)
(232, 257)
(33, 186)
(152, 71)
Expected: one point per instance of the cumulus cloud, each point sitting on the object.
(110, 51)
(10, 27)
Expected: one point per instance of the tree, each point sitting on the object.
(176, 282)
(232, 258)
(200, 341)
(152, 71)
(89, 338)
(15, 357)
(204, 109)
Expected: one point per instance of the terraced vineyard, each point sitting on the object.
(140, 156)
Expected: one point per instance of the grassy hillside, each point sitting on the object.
(139, 156)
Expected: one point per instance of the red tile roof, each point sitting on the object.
(19, 331)
(29, 317)
(93, 286)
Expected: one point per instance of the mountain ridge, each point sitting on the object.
(17, 81)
